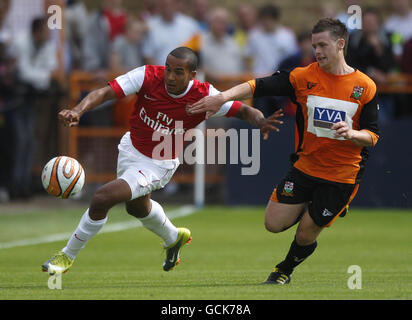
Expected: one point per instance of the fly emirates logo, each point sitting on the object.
(161, 123)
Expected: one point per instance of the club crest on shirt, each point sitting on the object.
(357, 92)
(288, 189)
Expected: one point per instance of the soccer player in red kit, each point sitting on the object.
(163, 92)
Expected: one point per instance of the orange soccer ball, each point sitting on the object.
(63, 177)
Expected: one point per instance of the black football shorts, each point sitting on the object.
(326, 200)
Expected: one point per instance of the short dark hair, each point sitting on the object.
(186, 54)
(336, 28)
(269, 11)
(38, 24)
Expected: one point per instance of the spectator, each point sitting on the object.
(271, 43)
(171, 30)
(76, 29)
(406, 66)
(201, 9)
(399, 24)
(105, 24)
(268, 45)
(217, 43)
(96, 43)
(34, 124)
(116, 17)
(21, 13)
(126, 52)
(5, 34)
(406, 62)
(6, 86)
(303, 57)
(370, 51)
(149, 11)
(36, 55)
(7, 81)
(246, 16)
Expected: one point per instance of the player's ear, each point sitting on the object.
(193, 74)
(341, 43)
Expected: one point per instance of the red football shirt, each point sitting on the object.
(157, 111)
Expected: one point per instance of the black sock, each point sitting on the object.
(296, 255)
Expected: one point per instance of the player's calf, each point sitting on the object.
(140, 207)
(307, 231)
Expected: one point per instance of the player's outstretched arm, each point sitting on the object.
(71, 117)
(212, 104)
(255, 117)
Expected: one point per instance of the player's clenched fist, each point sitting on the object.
(69, 118)
(342, 130)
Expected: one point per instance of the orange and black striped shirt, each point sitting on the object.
(322, 99)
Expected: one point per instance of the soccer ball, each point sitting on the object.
(62, 177)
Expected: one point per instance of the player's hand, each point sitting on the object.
(210, 105)
(69, 118)
(342, 130)
(268, 124)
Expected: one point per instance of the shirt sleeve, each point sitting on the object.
(277, 84)
(129, 83)
(369, 119)
(228, 109)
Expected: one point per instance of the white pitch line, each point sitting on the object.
(111, 227)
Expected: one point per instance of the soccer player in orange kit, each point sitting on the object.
(336, 120)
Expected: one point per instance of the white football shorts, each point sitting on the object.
(142, 174)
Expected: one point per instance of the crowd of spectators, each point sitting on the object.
(35, 61)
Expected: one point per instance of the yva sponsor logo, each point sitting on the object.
(324, 117)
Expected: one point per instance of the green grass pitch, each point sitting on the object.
(229, 257)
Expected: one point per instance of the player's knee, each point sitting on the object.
(273, 227)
